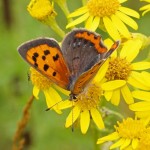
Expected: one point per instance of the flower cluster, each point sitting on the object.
(123, 81)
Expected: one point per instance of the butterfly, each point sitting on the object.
(71, 66)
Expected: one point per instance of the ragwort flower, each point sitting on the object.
(108, 14)
(121, 68)
(43, 11)
(127, 134)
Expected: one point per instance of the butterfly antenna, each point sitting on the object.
(53, 105)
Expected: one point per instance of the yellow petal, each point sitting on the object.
(120, 26)
(78, 20)
(115, 99)
(72, 117)
(145, 12)
(125, 144)
(36, 92)
(127, 20)
(126, 49)
(97, 118)
(108, 42)
(130, 50)
(142, 95)
(140, 106)
(129, 12)
(111, 85)
(118, 143)
(62, 90)
(145, 1)
(78, 12)
(95, 23)
(111, 28)
(137, 76)
(127, 95)
(142, 114)
(66, 104)
(134, 51)
(140, 65)
(135, 143)
(52, 98)
(146, 77)
(145, 7)
(110, 137)
(146, 74)
(84, 121)
(89, 22)
(101, 73)
(108, 95)
(132, 81)
(55, 96)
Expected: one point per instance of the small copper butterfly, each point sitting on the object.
(71, 66)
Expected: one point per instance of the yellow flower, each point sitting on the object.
(122, 73)
(43, 11)
(106, 14)
(145, 8)
(142, 108)
(86, 106)
(127, 134)
(42, 83)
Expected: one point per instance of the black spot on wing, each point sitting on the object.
(35, 54)
(46, 52)
(54, 73)
(55, 58)
(43, 57)
(46, 67)
(34, 58)
(35, 65)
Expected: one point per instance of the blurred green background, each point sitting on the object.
(45, 129)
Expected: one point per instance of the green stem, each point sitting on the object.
(64, 7)
(51, 22)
